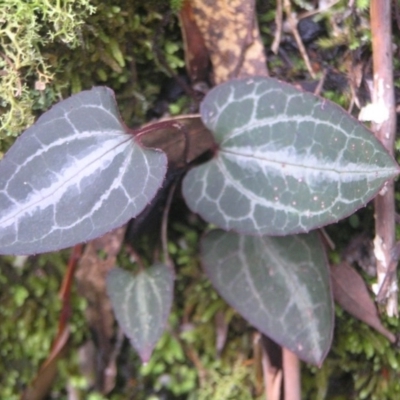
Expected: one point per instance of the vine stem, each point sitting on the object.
(164, 229)
(384, 127)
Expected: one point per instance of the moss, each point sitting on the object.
(29, 311)
(361, 365)
(350, 30)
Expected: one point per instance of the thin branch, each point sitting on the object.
(65, 290)
(272, 372)
(384, 127)
(291, 375)
(164, 226)
(278, 31)
(321, 82)
(292, 19)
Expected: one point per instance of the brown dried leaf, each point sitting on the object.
(351, 293)
(196, 54)
(232, 37)
(99, 257)
(183, 139)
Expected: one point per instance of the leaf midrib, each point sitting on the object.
(23, 209)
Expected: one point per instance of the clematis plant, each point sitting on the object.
(281, 164)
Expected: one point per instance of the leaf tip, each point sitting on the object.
(144, 353)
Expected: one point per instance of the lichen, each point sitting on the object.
(49, 50)
(25, 67)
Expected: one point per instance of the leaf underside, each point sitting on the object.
(278, 284)
(142, 304)
(73, 176)
(182, 139)
(287, 161)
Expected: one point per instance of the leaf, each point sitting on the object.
(197, 59)
(351, 293)
(287, 162)
(73, 176)
(142, 304)
(279, 284)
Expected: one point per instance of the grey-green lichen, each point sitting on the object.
(26, 28)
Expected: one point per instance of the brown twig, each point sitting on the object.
(271, 362)
(65, 290)
(292, 19)
(278, 31)
(321, 82)
(384, 129)
(391, 271)
(164, 231)
(291, 375)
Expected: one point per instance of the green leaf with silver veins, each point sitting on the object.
(287, 161)
(142, 304)
(279, 284)
(73, 176)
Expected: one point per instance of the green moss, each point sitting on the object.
(362, 364)
(176, 5)
(234, 382)
(29, 311)
(350, 30)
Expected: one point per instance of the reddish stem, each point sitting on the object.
(65, 291)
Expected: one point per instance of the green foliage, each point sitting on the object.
(362, 4)
(191, 335)
(176, 5)
(229, 382)
(336, 166)
(141, 304)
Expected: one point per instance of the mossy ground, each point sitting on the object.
(49, 52)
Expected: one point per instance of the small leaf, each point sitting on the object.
(287, 161)
(142, 304)
(73, 176)
(279, 284)
(351, 293)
